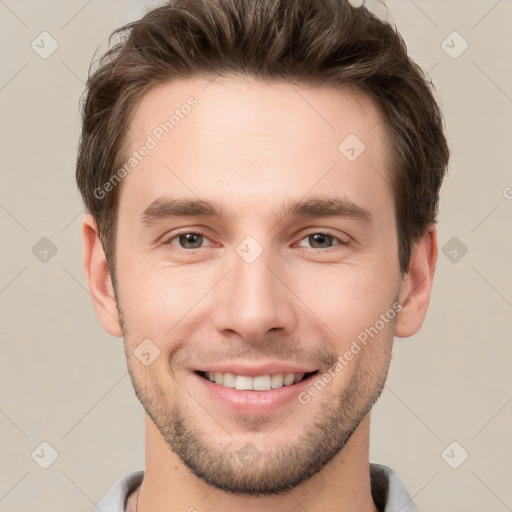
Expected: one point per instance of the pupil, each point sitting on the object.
(190, 238)
(320, 238)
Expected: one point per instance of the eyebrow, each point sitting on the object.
(166, 207)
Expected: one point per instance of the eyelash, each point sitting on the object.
(326, 233)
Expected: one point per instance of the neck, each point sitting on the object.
(342, 485)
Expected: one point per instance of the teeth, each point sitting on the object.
(288, 379)
(262, 383)
(243, 382)
(258, 383)
(277, 380)
(229, 380)
(298, 377)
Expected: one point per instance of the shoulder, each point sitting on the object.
(116, 498)
(388, 491)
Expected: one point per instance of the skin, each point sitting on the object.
(252, 146)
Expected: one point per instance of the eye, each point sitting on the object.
(187, 240)
(321, 240)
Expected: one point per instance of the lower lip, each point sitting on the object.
(255, 402)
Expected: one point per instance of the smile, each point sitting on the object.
(256, 383)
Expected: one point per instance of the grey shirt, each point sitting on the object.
(388, 491)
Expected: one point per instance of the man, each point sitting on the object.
(262, 181)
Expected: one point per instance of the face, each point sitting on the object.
(254, 249)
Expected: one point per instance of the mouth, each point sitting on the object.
(255, 383)
(266, 390)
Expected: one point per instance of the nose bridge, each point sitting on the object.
(251, 300)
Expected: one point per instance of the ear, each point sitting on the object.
(97, 273)
(416, 285)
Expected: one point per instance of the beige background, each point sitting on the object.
(64, 381)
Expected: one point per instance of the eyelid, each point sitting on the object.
(321, 231)
(167, 240)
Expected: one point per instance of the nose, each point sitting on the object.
(254, 299)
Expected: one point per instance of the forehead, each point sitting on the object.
(226, 104)
(243, 140)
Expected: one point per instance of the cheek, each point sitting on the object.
(156, 300)
(345, 299)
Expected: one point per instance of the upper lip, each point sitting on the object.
(253, 370)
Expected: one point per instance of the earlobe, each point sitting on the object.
(98, 277)
(416, 285)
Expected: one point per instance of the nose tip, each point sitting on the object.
(252, 302)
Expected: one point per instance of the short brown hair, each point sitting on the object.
(311, 42)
